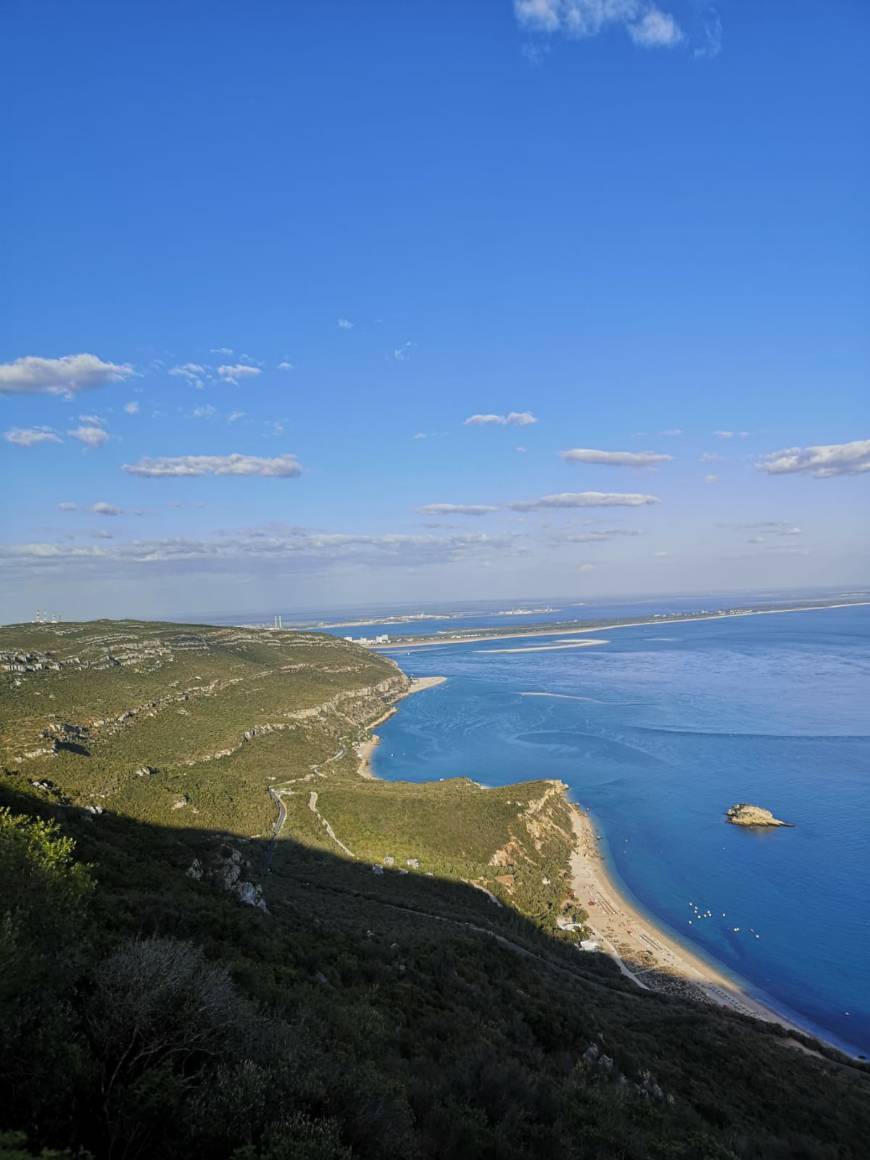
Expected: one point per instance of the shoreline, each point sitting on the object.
(427, 642)
(365, 749)
(642, 950)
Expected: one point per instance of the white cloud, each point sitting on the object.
(400, 354)
(585, 567)
(221, 350)
(92, 419)
(90, 436)
(194, 373)
(821, 461)
(66, 506)
(712, 457)
(615, 458)
(646, 24)
(131, 408)
(60, 376)
(285, 365)
(584, 499)
(101, 508)
(234, 416)
(672, 432)
(30, 436)
(457, 509)
(283, 466)
(731, 434)
(232, 374)
(345, 324)
(511, 419)
(711, 479)
(204, 412)
(655, 29)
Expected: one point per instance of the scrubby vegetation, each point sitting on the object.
(145, 1011)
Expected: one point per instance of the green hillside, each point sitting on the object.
(217, 939)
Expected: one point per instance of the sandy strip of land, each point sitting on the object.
(545, 647)
(659, 622)
(365, 749)
(642, 951)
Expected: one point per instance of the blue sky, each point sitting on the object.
(626, 226)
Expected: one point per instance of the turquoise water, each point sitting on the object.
(658, 732)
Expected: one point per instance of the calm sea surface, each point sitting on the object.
(658, 732)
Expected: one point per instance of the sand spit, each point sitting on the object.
(545, 647)
(657, 621)
(365, 749)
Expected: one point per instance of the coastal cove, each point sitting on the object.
(656, 735)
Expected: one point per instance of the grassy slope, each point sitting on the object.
(418, 983)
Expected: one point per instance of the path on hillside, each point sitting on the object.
(277, 795)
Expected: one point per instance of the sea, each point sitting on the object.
(657, 732)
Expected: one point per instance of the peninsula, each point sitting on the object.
(575, 627)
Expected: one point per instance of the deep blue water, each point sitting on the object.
(658, 732)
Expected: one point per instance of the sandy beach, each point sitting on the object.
(643, 952)
(365, 749)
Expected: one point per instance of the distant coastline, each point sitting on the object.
(497, 634)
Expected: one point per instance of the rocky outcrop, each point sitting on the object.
(225, 870)
(744, 814)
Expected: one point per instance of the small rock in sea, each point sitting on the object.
(744, 814)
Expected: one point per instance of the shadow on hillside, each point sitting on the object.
(187, 882)
(415, 1014)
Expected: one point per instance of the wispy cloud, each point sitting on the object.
(711, 478)
(225, 350)
(768, 527)
(345, 324)
(282, 466)
(67, 506)
(646, 24)
(583, 499)
(285, 365)
(457, 509)
(237, 371)
(131, 408)
(60, 376)
(193, 373)
(731, 434)
(615, 458)
(822, 461)
(401, 353)
(31, 436)
(599, 536)
(101, 508)
(293, 550)
(90, 436)
(206, 411)
(511, 419)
